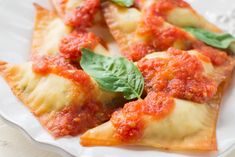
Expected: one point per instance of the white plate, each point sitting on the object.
(16, 24)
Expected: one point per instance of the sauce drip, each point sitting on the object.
(174, 77)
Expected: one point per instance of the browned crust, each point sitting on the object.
(90, 142)
(6, 74)
(209, 26)
(60, 10)
(109, 15)
(42, 19)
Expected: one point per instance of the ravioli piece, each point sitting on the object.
(63, 106)
(49, 29)
(139, 33)
(190, 126)
(179, 13)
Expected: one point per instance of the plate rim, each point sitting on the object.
(25, 133)
(62, 151)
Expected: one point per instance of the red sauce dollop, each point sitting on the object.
(180, 75)
(58, 65)
(71, 44)
(162, 7)
(83, 16)
(138, 51)
(73, 120)
(129, 123)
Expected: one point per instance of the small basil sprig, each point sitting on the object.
(113, 74)
(124, 3)
(217, 40)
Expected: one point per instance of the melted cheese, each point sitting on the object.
(188, 118)
(128, 19)
(190, 126)
(54, 32)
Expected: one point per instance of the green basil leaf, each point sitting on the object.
(124, 3)
(217, 40)
(113, 74)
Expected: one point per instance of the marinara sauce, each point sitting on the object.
(162, 7)
(180, 75)
(71, 44)
(73, 120)
(83, 15)
(217, 57)
(58, 65)
(129, 122)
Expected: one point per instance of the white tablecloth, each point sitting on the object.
(14, 144)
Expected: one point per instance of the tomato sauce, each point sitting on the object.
(73, 120)
(138, 51)
(129, 122)
(217, 57)
(174, 77)
(83, 15)
(71, 44)
(162, 7)
(59, 66)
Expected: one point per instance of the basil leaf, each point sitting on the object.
(124, 3)
(113, 74)
(217, 40)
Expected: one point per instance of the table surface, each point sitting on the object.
(14, 144)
